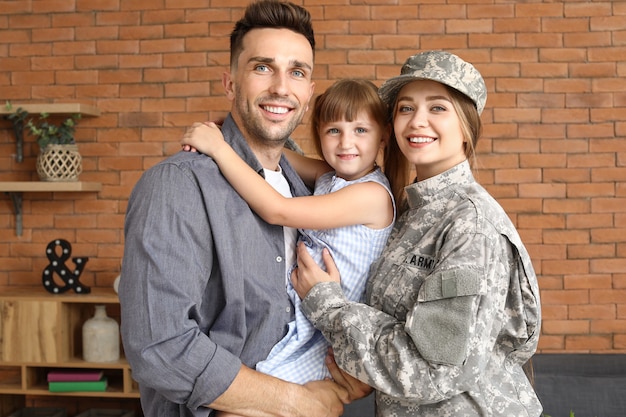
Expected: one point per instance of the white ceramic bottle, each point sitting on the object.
(101, 337)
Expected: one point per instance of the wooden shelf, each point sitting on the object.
(96, 296)
(53, 108)
(16, 188)
(48, 186)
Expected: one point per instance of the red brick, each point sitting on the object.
(607, 326)
(542, 190)
(565, 327)
(590, 190)
(591, 251)
(559, 267)
(588, 343)
(340, 12)
(551, 343)
(587, 281)
(542, 251)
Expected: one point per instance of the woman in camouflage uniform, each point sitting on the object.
(453, 308)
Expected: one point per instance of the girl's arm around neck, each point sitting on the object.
(365, 203)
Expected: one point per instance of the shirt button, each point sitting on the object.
(288, 309)
(279, 259)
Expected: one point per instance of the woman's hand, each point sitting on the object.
(356, 389)
(308, 273)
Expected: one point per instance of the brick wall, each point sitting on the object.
(553, 151)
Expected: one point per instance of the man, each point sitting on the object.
(203, 280)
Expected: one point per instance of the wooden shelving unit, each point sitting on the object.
(40, 331)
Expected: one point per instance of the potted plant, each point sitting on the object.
(58, 159)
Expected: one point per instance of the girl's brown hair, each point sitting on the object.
(344, 100)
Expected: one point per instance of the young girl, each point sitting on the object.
(453, 309)
(351, 212)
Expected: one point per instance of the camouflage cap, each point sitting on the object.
(442, 67)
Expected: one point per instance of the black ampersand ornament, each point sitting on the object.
(57, 265)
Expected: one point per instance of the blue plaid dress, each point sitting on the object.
(299, 356)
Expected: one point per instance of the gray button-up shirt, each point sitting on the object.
(203, 281)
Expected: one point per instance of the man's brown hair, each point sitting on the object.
(272, 14)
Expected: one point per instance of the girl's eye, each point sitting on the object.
(332, 131)
(437, 108)
(404, 108)
(361, 130)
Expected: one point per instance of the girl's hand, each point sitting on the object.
(308, 273)
(203, 137)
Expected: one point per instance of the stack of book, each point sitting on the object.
(76, 380)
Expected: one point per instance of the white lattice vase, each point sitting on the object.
(59, 163)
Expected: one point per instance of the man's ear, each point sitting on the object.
(227, 82)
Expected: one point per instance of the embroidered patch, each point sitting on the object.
(422, 262)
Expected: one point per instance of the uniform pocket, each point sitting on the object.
(442, 320)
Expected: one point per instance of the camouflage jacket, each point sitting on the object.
(452, 312)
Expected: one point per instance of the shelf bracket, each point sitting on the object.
(17, 205)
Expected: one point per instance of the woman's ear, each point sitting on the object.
(386, 135)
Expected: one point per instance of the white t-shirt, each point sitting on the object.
(280, 184)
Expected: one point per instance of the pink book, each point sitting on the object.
(74, 375)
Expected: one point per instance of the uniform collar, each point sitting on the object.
(421, 193)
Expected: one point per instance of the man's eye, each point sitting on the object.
(298, 73)
(261, 68)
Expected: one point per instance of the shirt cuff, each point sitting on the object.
(321, 300)
(215, 380)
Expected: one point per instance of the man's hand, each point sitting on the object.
(331, 395)
(308, 273)
(356, 389)
(253, 394)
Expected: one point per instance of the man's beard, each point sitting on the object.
(257, 128)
